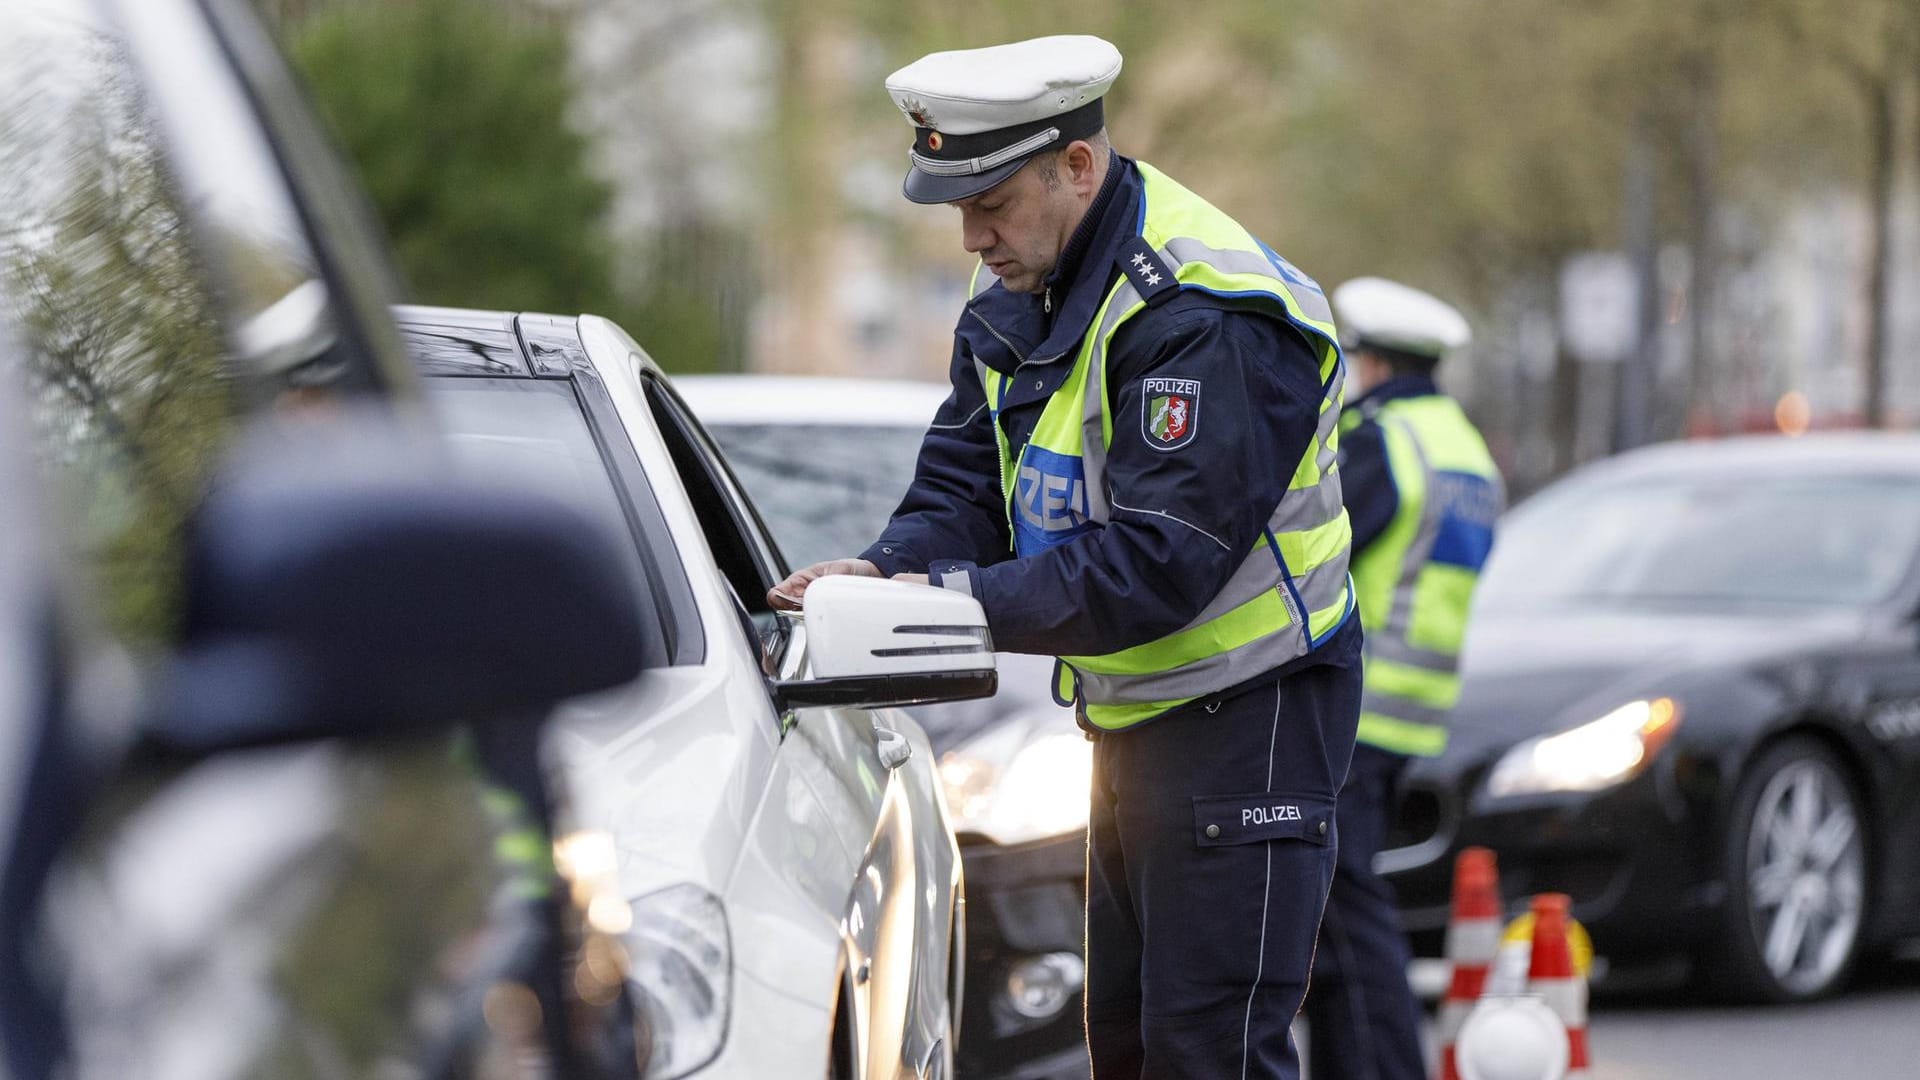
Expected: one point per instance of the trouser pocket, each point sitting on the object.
(1226, 820)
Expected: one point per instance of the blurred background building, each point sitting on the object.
(1665, 217)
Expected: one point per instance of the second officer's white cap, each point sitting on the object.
(978, 114)
(1389, 315)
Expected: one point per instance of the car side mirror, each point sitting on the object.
(874, 643)
(341, 581)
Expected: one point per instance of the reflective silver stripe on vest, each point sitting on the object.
(1384, 645)
(1389, 642)
(1093, 442)
(1216, 672)
(1323, 587)
(1400, 708)
(1185, 249)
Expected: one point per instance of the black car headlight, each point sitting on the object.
(1592, 757)
(1022, 780)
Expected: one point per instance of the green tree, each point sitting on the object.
(455, 112)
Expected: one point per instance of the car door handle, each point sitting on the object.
(893, 747)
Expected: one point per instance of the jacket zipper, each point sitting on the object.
(982, 319)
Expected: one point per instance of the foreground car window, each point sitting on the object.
(124, 359)
(825, 490)
(1824, 541)
(159, 279)
(532, 431)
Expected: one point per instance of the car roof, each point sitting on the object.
(467, 318)
(1822, 453)
(810, 399)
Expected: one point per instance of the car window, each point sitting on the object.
(826, 490)
(533, 431)
(746, 553)
(1821, 541)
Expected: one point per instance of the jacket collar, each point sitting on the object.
(1400, 386)
(1005, 329)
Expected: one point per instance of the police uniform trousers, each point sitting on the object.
(1363, 1022)
(1210, 850)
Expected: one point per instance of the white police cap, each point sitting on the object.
(979, 114)
(1389, 315)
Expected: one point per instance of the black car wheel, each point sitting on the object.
(1797, 873)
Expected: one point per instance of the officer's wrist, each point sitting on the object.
(892, 558)
(952, 574)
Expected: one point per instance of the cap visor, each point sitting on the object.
(923, 187)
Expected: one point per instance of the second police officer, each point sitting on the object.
(1422, 493)
(1134, 472)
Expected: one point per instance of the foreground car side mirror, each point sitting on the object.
(342, 582)
(875, 643)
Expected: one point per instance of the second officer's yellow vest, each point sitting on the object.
(1416, 579)
(1292, 590)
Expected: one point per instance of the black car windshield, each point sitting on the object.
(1826, 541)
(826, 490)
(533, 432)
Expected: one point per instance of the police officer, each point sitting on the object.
(1134, 473)
(1422, 493)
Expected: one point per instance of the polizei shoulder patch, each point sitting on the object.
(1170, 412)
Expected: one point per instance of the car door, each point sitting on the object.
(883, 821)
(1876, 687)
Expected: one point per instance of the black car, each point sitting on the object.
(1691, 700)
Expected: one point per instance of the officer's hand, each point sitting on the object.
(914, 579)
(786, 595)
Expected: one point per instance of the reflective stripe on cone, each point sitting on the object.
(1551, 975)
(1473, 938)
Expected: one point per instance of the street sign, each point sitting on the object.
(1599, 307)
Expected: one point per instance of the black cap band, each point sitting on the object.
(974, 154)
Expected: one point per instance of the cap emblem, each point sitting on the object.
(916, 112)
(934, 140)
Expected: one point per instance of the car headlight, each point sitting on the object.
(678, 956)
(1019, 781)
(1591, 757)
(682, 975)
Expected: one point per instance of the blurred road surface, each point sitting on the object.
(1872, 1032)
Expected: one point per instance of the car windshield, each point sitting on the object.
(826, 490)
(1830, 541)
(533, 432)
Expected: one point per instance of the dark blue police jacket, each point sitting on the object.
(1182, 521)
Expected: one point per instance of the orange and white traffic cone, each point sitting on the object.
(1473, 937)
(1551, 975)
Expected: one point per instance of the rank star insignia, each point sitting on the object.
(1170, 412)
(1139, 261)
(1153, 278)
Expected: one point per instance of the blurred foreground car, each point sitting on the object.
(1691, 700)
(769, 835)
(827, 460)
(246, 603)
